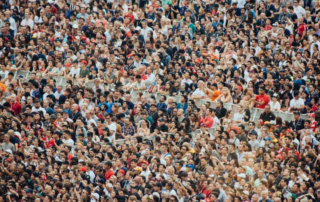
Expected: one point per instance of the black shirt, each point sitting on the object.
(221, 112)
(267, 116)
(163, 128)
(297, 124)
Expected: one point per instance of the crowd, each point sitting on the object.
(126, 101)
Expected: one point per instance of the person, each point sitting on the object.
(261, 100)
(267, 114)
(207, 120)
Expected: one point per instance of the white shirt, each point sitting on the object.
(240, 3)
(299, 11)
(150, 80)
(57, 94)
(215, 122)
(68, 142)
(296, 103)
(13, 25)
(145, 173)
(91, 121)
(39, 109)
(75, 71)
(38, 19)
(112, 126)
(189, 81)
(199, 92)
(311, 47)
(28, 22)
(238, 117)
(274, 106)
(145, 31)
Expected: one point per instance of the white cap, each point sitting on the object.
(9, 151)
(75, 26)
(50, 1)
(246, 193)
(273, 122)
(242, 175)
(96, 196)
(138, 28)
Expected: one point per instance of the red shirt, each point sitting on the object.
(49, 143)
(131, 17)
(302, 28)
(313, 125)
(144, 76)
(16, 108)
(261, 98)
(267, 27)
(108, 174)
(208, 121)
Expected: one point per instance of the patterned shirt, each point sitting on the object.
(131, 130)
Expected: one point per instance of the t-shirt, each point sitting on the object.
(5, 146)
(108, 174)
(49, 143)
(216, 94)
(84, 73)
(261, 98)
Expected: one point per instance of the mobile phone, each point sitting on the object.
(20, 76)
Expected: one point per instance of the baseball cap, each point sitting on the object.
(145, 162)
(138, 168)
(83, 169)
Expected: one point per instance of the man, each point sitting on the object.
(208, 120)
(296, 103)
(298, 9)
(75, 112)
(267, 115)
(183, 104)
(15, 105)
(199, 93)
(254, 142)
(162, 126)
(162, 104)
(239, 115)
(128, 129)
(220, 110)
(139, 84)
(262, 99)
(37, 107)
(109, 173)
(297, 124)
(7, 145)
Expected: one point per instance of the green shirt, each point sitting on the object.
(84, 73)
(165, 2)
(193, 27)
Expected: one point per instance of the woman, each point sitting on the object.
(173, 127)
(158, 87)
(275, 104)
(194, 122)
(225, 96)
(228, 117)
(143, 130)
(305, 97)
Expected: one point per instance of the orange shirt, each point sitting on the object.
(2, 87)
(216, 94)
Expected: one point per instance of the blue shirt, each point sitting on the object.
(84, 16)
(162, 106)
(184, 106)
(109, 107)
